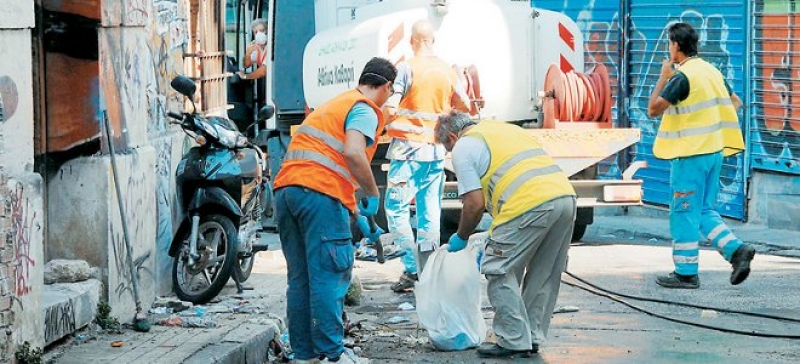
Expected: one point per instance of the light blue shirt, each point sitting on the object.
(362, 118)
(471, 160)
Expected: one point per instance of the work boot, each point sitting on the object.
(489, 350)
(534, 348)
(406, 282)
(741, 263)
(675, 280)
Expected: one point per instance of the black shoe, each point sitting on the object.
(741, 263)
(675, 280)
(534, 348)
(406, 282)
(488, 350)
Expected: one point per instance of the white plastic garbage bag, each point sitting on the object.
(449, 300)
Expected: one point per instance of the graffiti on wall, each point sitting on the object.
(164, 198)
(137, 209)
(137, 12)
(776, 124)
(9, 97)
(167, 37)
(24, 222)
(59, 320)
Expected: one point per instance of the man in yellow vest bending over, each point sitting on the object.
(326, 162)
(425, 88)
(699, 127)
(502, 168)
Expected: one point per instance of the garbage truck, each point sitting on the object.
(520, 65)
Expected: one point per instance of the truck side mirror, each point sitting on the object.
(266, 112)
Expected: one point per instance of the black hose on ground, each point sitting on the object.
(614, 296)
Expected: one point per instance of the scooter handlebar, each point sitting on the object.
(175, 115)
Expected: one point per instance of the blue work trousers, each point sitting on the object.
(317, 243)
(695, 186)
(424, 182)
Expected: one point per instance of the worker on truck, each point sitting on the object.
(698, 129)
(425, 88)
(327, 160)
(256, 53)
(502, 168)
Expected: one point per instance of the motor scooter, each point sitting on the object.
(222, 186)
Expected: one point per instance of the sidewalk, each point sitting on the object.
(244, 326)
(653, 223)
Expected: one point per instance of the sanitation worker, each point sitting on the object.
(504, 170)
(699, 127)
(327, 160)
(424, 89)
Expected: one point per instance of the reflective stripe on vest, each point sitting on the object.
(308, 155)
(720, 101)
(322, 136)
(519, 181)
(409, 128)
(427, 116)
(698, 131)
(427, 97)
(506, 166)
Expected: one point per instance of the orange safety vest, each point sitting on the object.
(315, 156)
(432, 87)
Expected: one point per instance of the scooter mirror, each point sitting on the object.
(266, 112)
(184, 85)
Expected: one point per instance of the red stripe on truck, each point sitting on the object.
(566, 36)
(396, 36)
(565, 65)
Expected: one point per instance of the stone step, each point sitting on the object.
(69, 307)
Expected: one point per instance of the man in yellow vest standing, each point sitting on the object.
(326, 162)
(424, 89)
(698, 129)
(502, 168)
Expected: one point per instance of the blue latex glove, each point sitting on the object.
(363, 225)
(368, 206)
(456, 243)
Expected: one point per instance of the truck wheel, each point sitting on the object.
(578, 231)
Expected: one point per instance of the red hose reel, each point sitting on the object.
(577, 99)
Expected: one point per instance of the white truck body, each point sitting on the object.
(510, 44)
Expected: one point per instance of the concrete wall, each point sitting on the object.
(775, 200)
(90, 227)
(139, 49)
(21, 208)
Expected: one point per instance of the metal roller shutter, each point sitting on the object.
(775, 125)
(720, 25)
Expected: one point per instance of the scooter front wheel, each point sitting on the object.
(208, 273)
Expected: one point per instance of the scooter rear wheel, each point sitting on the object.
(217, 242)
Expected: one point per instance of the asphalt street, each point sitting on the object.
(601, 331)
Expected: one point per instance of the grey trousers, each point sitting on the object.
(523, 263)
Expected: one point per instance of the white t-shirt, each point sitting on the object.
(471, 159)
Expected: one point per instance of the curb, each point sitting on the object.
(247, 343)
(765, 239)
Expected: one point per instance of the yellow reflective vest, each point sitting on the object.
(521, 175)
(704, 123)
